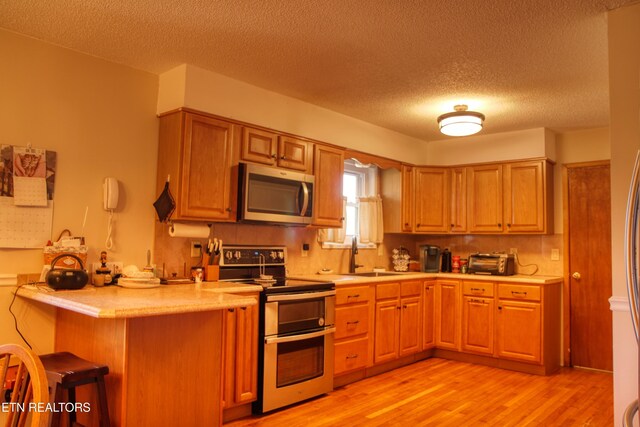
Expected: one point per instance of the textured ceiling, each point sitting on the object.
(398, 64)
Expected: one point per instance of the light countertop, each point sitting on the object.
(344, 279)
(117, 302)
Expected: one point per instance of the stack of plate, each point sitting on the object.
(139, 282)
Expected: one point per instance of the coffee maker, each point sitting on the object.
(429, 258)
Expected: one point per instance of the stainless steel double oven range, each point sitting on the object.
(296, 326)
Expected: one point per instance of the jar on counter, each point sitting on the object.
(455, 264)
(464, 265)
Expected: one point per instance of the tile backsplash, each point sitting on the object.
(173, 253)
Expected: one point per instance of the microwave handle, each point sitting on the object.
(305, 199)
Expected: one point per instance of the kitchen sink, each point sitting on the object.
(373, 274)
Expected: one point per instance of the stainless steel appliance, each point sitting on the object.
(274, 195)
(297, 325)
(632, 237)
(429, 258)
(494, 264)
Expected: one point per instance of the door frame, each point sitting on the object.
(566, 287)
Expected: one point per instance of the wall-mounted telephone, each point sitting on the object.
(110, 187)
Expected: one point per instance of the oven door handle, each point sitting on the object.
(291, 338)
(298, 297)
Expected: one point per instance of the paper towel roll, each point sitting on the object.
(200, 231)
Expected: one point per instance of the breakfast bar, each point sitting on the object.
(163, 347)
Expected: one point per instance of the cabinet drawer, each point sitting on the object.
(413, 288)
(519, 292)
(387, 290)
(350, 355)
(352, 321)
(478, 288)
(352, 295)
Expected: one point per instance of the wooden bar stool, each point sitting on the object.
(66, 371)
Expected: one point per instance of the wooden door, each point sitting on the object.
(258, 146)
(295, 154)
(524, 197)
(589, 265)
(448, 314)
(519, 332)
(246, 354)
(478, 324)
(205, 188)
(484, 203)
(328, 165)
(386, 331)
(410, 309)
(432, 200)
(428, 315)
(458, 214)
(408, 198)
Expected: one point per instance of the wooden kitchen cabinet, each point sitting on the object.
(478, 317)
(519, 333)
(398, 195)
(485, 198)
(408, 198)
(272, 149)
(196, 152)
(432, 200)
(240, 356)
(447, 314)
(353, 319)
(398, 318)
(528, 197)
(328, 171)
(458, 200)
(428, 314)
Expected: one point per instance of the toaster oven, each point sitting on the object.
(494, 264)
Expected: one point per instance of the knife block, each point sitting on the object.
(212, 273)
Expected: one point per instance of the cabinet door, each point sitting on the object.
(458, 203)
(410, 310)
(408, 198)
(524, 197)
(258, 146)
(428, 315)
(246, 354)
(205, 187)
(432, 200)
(295, 154)
(386, 331)
(519, 333)
(448, 315)
(478, 324)
(484, 186)
(328, 171)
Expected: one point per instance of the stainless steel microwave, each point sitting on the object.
(273, 195)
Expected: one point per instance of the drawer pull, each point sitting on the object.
(516, 293)
(354, 322)
(353, 296)
(231, 310)
(477, 289)
(352, 356)
(477, 301)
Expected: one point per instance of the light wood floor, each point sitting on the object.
(438, 392)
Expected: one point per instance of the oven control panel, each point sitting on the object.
(253, 255)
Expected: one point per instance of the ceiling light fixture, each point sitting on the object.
(461, 122)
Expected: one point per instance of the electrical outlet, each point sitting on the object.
(513, 251)
(196, 249)
(305, 250)
(555, 255)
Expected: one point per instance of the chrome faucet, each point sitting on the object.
(352, 259)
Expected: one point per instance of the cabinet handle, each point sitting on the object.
(406, 224)
(243, 308)
(283, 158)
(404, 306)
(352, 356)
(499, 307)
(417, 225)
(477, 301)
(508, 225)
(399, 308)
(355, 322)
(353, 296)
(231, 310)
(516, 293)
(228, 209)
(273, 155)
(499, 224)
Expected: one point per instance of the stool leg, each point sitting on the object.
(57, 397)
(102, 398)
(72, 399)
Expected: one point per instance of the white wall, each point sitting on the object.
(624, 84)
(100, 119)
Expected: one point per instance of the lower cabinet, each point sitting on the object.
(240, 356)
(478, 318)
(428, 314)
(520, 329)
(353, 308)
(447, 314)
(398, 319)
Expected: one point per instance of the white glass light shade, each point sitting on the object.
(461, 122)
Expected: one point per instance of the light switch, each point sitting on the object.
(555, 255)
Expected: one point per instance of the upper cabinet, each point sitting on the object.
(528, 193)
(328, 171)
(432, 200)
(270, 148)
(484, 202)
(458, 200)
(196, 152)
